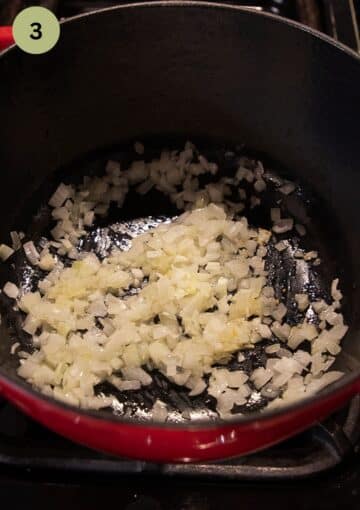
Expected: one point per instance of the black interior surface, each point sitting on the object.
(207, 75)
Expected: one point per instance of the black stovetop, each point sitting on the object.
(336, 490)
(98, 480)
(319, 469)
(25, 444)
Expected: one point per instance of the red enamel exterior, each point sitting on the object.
(6, 37)
(165, 444)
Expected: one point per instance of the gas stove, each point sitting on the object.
(319, 468)
(27, 445)
(338, 18)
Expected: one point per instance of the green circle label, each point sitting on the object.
(36, 30)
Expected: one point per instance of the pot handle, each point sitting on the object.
(6, 37)
(9, 11)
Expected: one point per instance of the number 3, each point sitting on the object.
(37, 34)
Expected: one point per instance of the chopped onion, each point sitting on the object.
(259, 185)
(260, 376)
(14, 347)
(283, 225)
(5, 252)
(301, 230)
(31, 253)
(139, 148)
(270, 391)
(159, 411)
(302, 301)
(275, 214)
(281, 246)
(47, 262)
(183, 298)
(310, 255)
(320, 383)
(287, 188)
(280, 312)
(61, 194)
(300, 333)
(273, 348)
(16, 240)
(11, 290)
(335, 292)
